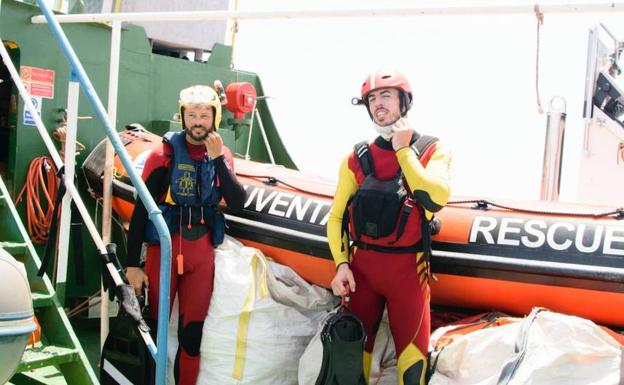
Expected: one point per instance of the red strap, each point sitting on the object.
(344, 302)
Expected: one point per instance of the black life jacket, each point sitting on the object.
(381, 208)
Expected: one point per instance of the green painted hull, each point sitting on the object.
(148, 89)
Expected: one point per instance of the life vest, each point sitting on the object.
(193, 196)
(383, 214)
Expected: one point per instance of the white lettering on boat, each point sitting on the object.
(610, 238)
(278, 201)
(299, 207)
(530, 228)
(508, 228)
(287, 205)
(565, 236)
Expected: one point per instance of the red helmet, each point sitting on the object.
(384, 79)
(388, 79)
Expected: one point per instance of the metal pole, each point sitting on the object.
(247, 157)
(107, 191)
(475, 9)
(73, 93)
(553, 149)
(155, 215)
(107, 6)
(264, 137)
(234, 33)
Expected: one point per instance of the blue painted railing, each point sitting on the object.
(155, 214)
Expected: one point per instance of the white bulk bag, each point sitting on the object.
(249, 337)
(545, 348)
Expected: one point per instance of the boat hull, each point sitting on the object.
(507, 257)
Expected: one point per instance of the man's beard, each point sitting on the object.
(200, 137)
(385, 129)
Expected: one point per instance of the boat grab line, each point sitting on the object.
(278, 229)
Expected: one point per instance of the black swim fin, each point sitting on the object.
(343, 337)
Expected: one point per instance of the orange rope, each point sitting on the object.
(41, 189)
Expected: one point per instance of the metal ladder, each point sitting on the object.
(58, 357)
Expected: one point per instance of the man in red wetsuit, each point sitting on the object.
(187, 175)
(389, 189)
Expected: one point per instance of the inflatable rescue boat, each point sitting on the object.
(505, 256)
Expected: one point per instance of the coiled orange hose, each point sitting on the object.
(41, 189)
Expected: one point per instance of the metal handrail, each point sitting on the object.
(421, 10)
(154, 213)
(71, 189)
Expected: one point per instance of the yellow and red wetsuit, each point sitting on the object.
(396, 280)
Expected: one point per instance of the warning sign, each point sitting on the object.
(38, 81)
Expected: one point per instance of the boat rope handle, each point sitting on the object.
(272, 181)
(483, 204)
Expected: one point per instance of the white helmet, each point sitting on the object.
(201, 95)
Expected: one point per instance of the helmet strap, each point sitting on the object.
(405, 102)
(182, 118)
(365, 101)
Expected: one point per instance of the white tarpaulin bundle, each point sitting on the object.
(545, 348)
(261, 317)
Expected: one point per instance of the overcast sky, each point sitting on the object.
(473, 77)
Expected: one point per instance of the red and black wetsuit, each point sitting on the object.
(194, 286)
(395, 279)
